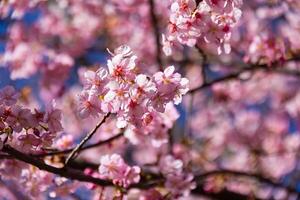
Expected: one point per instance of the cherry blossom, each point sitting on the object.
(129, 94)
(114, 168)
(149, 100)
(210, 20)
(8, 96)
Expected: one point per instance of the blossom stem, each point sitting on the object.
(77, 149)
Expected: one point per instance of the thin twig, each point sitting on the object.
(85, 139)
(252, 68)
(156, 32)
(100, 143)
(221, 79)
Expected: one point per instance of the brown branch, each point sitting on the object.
(223, 194)
(156, 32)
(198, 1)
(145, 182)
(85, 139)
(222, 79)
(251, 68)
(64, 172)
(258, 177)
(72, 174)
(98, 144)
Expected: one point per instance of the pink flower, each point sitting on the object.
(167, 44)
(89, 104)
(132, 96)
(122, 64)
(97, 79)
(211, 20)
(132, 176)
(137, 114)
(170, 87)
(27, 142)
(170, 165)
(20, 118)
(114, 168)
(266, 49)
(53, 118)
(151, 194)
(145, 88)
(117, 97)
(180, 184)
(8, 96)
(64, 142)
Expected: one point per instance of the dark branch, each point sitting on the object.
(156, 32)
(198, 1)
(258, 177)
(251, 68)
(64, 172)
(148, 179)
(222, 194)
(72, 174)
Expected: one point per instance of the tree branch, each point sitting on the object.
(87, 137)
(156, 32)
(222, 194)
(258, 177)
(148, 180)
(72, 174)
(100, 143)
(64, 172)
(251, 68)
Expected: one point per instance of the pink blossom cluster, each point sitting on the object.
(113, 167)
(24, 56)
(226, 124)
(36, 181)
(29, 131)
(156, 133)
(178, 181)
(32, 180)
(266, 49)
(210, 21)
(243, 123)
(50, 52)
(132, 96)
